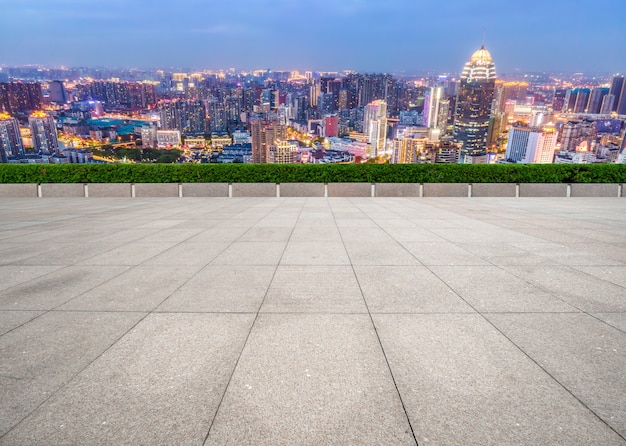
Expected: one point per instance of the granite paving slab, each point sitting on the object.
(462, 382)
(41, 356)
(311, 379)
(160, 384)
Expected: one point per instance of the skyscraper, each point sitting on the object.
(10, 139)
(44, 133)
(375, 126)
(473, 104)
(435, 114)
(596, 99)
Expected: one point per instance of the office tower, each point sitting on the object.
(473, 104)
(58, 93)
(375, 126)
(264, 134)
(582, 100)
(11, 144)
(607, 104)
(531, 145)
(617, 90)
(44, 133)
(595, 100)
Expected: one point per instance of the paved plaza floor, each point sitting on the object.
(318, 321)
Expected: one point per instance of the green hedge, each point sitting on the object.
(294, 173)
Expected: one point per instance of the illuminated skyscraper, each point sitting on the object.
(44, 133)
(474, 101)
(436, 106)
(10, 139)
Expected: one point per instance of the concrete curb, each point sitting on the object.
(412, 190)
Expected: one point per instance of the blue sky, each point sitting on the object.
(362, 35)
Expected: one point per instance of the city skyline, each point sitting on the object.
(396, 36)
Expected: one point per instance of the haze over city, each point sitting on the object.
(362, 35)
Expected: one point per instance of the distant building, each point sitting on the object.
(11, 144)
(596, 99)
(168, 138)
(435, 115)
(44, 133)
(617, 90)
(331, 126)
(531, 145)
(375, 126)
(282, 152)
(58, 93)
(149, 137)
(264, 134)
(20, 97)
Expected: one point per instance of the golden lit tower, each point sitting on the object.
(473, 104)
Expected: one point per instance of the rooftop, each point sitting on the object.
(313, 321)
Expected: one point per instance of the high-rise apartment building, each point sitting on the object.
(11, 144)
(189, 117)
(375, 126)
(282, 152)
(474, 101)
(20, 97)
(44, 133)
(265, 134)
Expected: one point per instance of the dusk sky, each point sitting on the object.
(362, 35)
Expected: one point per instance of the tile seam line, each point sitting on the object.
(71, 378)
(252, 325)
(55, 308)
(559, 383)
(380, 344)
(551, 293)
(115, 341)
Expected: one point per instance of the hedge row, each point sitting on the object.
(294, 173)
